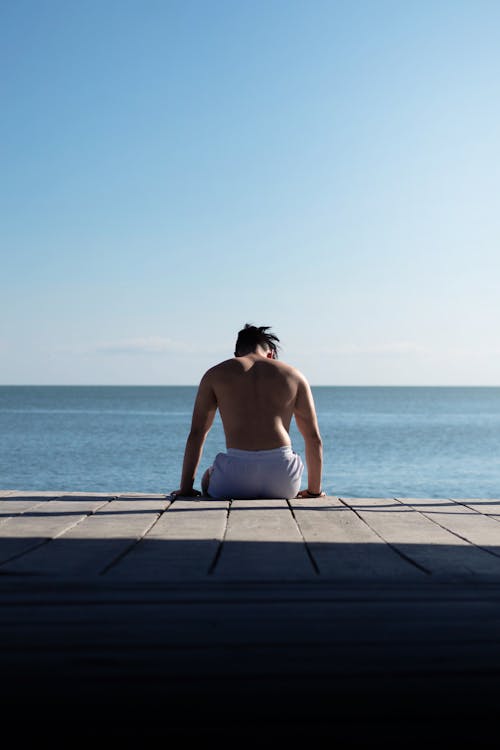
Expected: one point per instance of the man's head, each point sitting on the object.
(250, 337)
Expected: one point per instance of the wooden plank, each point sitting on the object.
(440, 552)
(344, 546)
(467, 522)
(324, 636)
(20, 534)
(41, 494)
(487, 507)
(281, 656)
(356, 539)
(142, 495)
(15, 506)
(182, 545)
(88, 546)
(323, 619)
(263, 542)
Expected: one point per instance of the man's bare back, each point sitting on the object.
(257, 396)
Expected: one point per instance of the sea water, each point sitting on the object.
(377, 441)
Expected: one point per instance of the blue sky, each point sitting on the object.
(172, 170)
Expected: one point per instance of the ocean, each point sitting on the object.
(377, 441)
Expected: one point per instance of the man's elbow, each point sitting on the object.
(314, 440)
(197, 434)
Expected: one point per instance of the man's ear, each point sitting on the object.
(269, 355)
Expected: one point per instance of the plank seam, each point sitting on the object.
(486, 515)
(134, 543)
(450, 531)
(389, 544)
(24, 552)
(17, 513)
(218, 551)
(306, 544)
(48, 539)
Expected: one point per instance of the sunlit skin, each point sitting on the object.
(257, 397)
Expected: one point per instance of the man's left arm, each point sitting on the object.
(204, 410)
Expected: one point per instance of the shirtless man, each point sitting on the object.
(257, 396)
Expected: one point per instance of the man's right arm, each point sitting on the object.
(307, 423)
(204, 411)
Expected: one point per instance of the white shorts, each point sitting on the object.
(256, 474)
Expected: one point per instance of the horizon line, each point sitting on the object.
(195, 385)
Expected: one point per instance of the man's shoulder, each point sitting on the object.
(218, 369)
(290, 370)
(230, 368)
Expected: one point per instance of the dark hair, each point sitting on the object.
(250, 337)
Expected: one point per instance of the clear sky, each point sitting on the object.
(173, 170)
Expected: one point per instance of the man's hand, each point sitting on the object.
(184, 493)
(307, 494)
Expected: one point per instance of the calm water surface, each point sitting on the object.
(378, 441)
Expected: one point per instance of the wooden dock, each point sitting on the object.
(130, 616)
